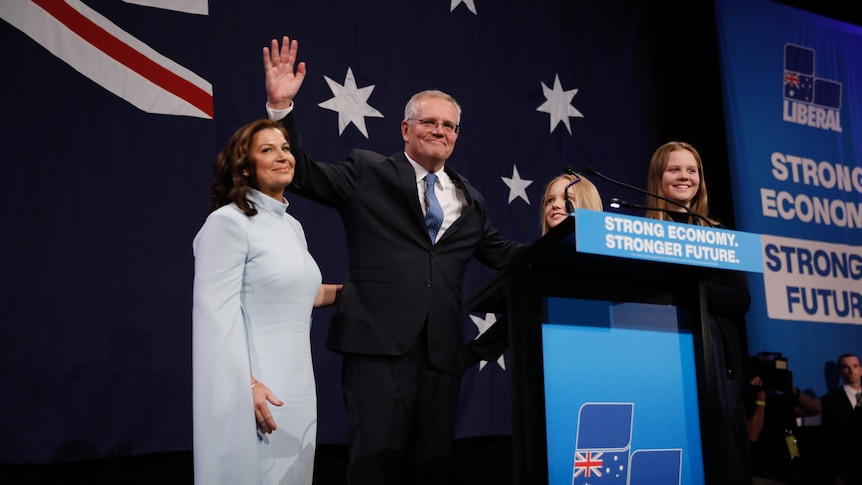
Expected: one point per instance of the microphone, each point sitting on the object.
(570, 206)
(592, 171)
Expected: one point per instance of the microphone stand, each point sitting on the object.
(592, 171)
(570, 207)
(617, 203)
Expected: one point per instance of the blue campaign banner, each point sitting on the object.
(622, 408)
(792, 86)
(634, 237)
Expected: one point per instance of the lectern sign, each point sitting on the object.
(625, 236)
(605, 422)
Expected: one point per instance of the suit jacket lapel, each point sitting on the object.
(468, 209)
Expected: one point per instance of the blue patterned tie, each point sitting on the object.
(434, 216)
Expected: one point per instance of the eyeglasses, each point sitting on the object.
(433, 124)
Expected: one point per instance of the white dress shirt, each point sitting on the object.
(450, 196)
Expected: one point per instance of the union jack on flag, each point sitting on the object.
(588, 463)
(114, 58)
(791, 78)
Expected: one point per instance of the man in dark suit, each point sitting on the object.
(398, 318)
(841, 424)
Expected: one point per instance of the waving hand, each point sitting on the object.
(282, 83)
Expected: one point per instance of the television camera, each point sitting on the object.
(771, 367)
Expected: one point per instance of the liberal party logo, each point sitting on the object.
(603, 454)
(809, 100)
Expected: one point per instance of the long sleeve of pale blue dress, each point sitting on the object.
(255, 285)
(220, 357)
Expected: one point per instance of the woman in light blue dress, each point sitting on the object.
(254, 397)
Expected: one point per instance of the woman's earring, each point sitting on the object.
(245, 173)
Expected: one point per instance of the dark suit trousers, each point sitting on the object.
(401, 418)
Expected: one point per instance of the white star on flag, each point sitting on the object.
(557, 104)
(468, 3)
(350, 103)
(517, 186)
(483, 324)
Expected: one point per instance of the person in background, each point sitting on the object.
(773, 405)
(582, 193)
(253, 393)
(412, 225)
(841, 424)
(676, 172)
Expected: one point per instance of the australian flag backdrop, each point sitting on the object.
(113, 113)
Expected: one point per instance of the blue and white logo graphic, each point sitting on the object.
(603, 445)
(809, 100)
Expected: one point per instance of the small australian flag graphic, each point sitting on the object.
(603, 451)
(798, 73)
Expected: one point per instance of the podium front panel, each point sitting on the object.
(620, 393)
